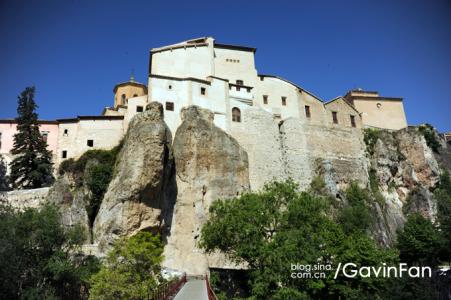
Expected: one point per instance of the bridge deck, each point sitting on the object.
(193, 290)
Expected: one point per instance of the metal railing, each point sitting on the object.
(168, 289)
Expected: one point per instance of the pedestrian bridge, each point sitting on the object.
(186, 288)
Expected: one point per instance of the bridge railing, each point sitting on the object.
(168, 289)
(211, 294)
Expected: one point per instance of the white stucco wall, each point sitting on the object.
(275, 89)
(183, 62)
(188, 92)
(106, 134)
(235, 65)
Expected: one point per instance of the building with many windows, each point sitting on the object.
(219, 77)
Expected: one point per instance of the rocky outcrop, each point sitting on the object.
(404, 169)
(210, 165)
(71, 199)
(142, 191)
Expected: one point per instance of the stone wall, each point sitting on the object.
(294, 148)
(21, 199)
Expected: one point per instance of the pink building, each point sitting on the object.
(49, 129)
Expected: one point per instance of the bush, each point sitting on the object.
(370, 137)
(430, 136)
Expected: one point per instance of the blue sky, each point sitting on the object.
(74, 52)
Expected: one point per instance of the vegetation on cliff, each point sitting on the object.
(430, 136)
(40, 258)
(94, 169)
(32, 164)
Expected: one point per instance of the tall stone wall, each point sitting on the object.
(299, 150)
(258, 134)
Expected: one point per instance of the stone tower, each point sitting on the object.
(129, 89)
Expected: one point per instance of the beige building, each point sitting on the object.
(378, 111)
(224, 79)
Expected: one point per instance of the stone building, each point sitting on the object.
(224, 79)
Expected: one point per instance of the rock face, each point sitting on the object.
(210, 165)
(142, 191)
(405, 169)
(71, 201)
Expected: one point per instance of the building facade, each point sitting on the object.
(219, 77)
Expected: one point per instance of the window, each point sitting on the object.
(45, 135)
(64, 154)
(334, 117)
(139, 109)
(90, 143)
(352, 121)
(379, 105)
(0, 140)
(66, 132)
(240, 82)
(203, 91)
(123, 99)
(170, 106)
(135, 95)
(248, 90)
(307, 111)
(236, 114)
(265, 99)
(284, 101)
(170, 87)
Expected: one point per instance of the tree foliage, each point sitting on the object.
(39, 258)
(131, 270)
(430, 136)
(280, 226)
(32, 165)
(419, 242)
(442, 195)
(356, 215)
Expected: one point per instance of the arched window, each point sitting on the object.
(123, 99)
(236, 114)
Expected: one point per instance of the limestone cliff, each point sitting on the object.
(210, 165)
(404, 169)
(140, 194)
(168, 186)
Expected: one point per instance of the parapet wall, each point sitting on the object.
(22, 199)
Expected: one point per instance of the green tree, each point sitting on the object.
(131, 270)
(4, 186)
(279, 226)
(32, 165)
(443, 196)
(40, 258)
(419, 242)
(356, 215)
